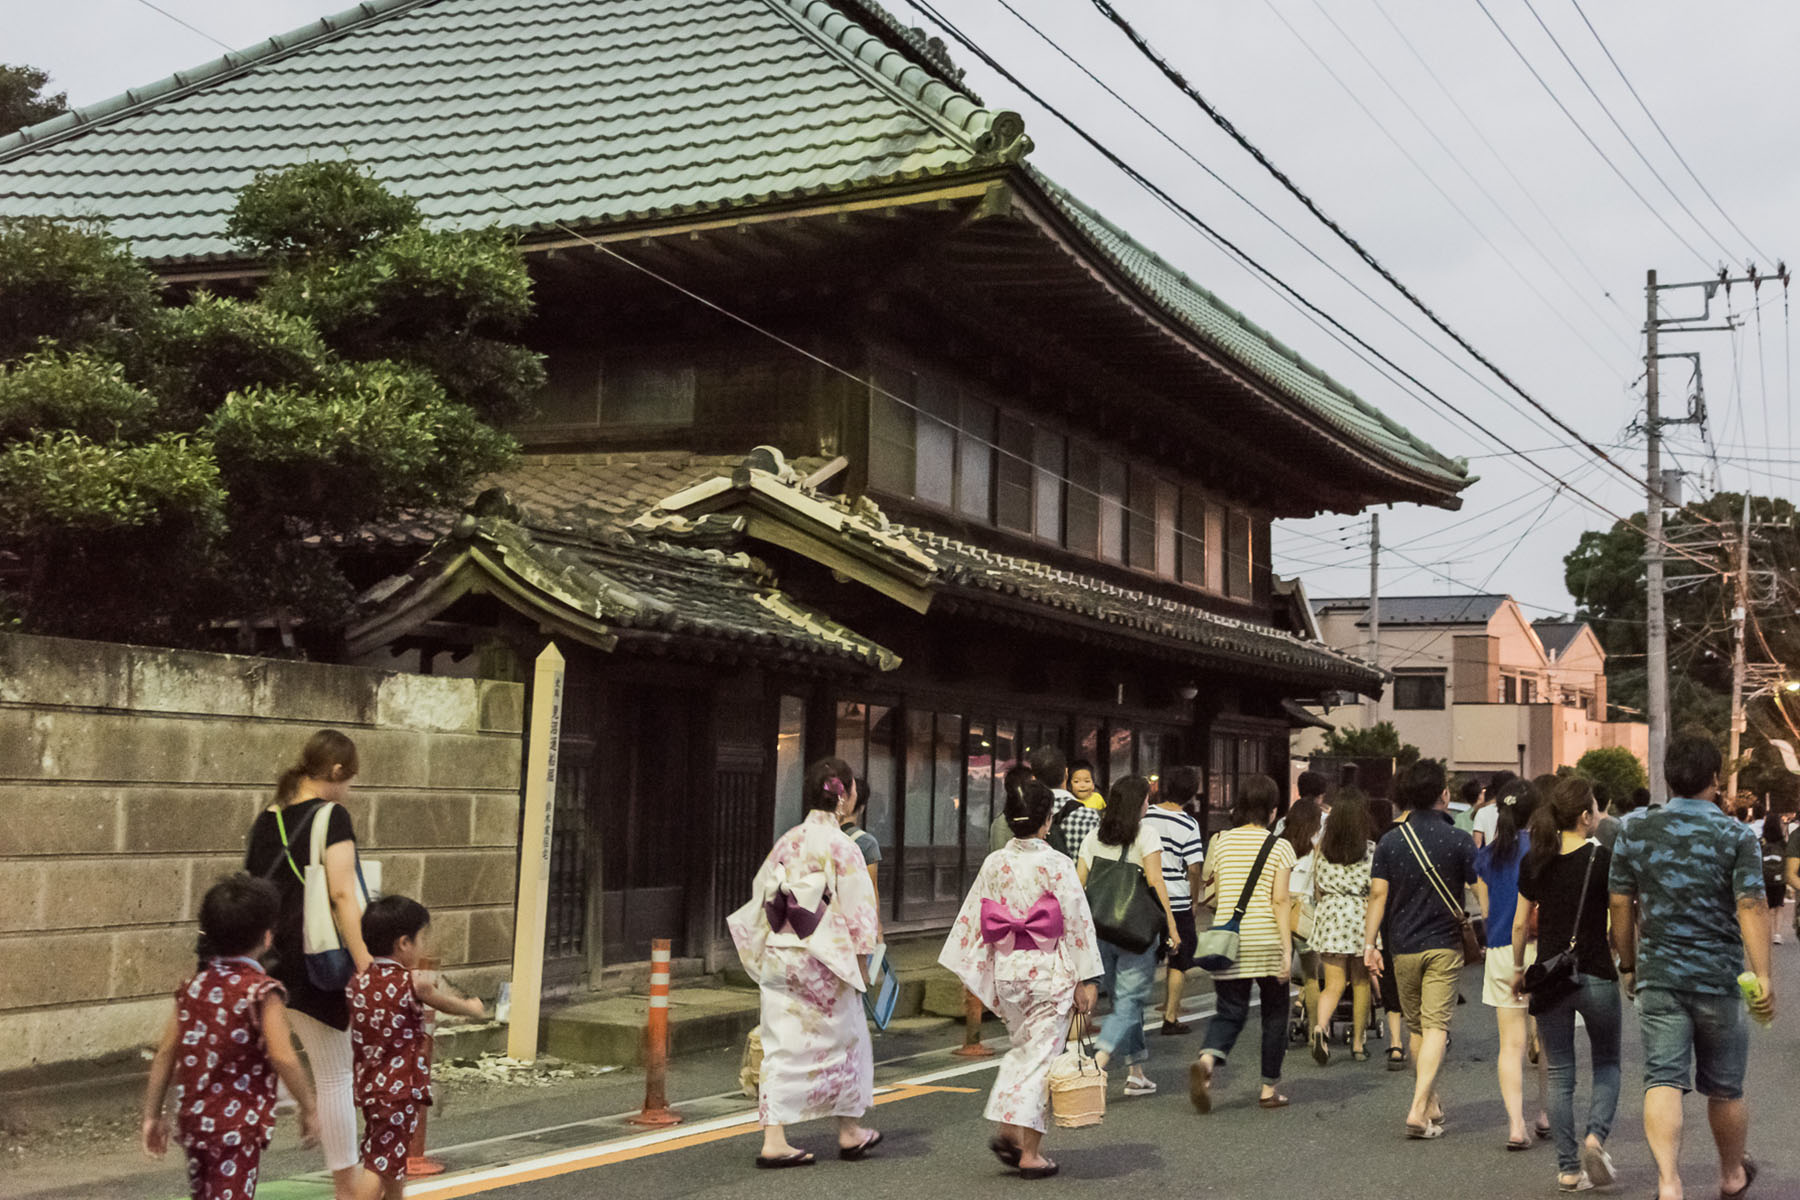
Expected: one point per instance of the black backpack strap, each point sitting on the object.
(1262, 858)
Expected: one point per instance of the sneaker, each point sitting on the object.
(1597, 1164)
(1139, 1086)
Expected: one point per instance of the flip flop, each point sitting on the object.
(1276, 1101)
(1043, 1172)
(799, 1158)
(1005, 1151)
(1749, 1178)
(1429, 1131)
(1524, 1145)
(1200, 1085)
(855, 1153)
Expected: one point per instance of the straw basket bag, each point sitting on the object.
(750, 1066)
(1077, 1084)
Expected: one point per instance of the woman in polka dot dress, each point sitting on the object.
(224, 1047)
(387, 1037)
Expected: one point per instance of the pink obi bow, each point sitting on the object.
(783, 909)
(1038, 929)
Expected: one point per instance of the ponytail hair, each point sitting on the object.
(1568, 801)
(1512, 813)
(328, 755)
(1028, 807)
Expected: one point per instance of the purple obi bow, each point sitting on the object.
(782, 909)
(1038, 929)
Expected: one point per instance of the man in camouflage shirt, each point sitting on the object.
(1695, 876)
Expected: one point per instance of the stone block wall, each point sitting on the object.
(128, 781)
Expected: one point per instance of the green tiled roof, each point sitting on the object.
(528, 113)
(1244, 342)
(535, 114)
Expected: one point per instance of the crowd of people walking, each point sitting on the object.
(1083, 897)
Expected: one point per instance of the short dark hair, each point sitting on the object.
(1180, 786)
(1257, 797)
(391, 918)
(1471, 790)
(1422, 786)
(1028, 808)
(237, 911)
(1692, 765)
(1081, 764)
(1049, 765)
(817, 793)
(1640, 798)
(1310, 783)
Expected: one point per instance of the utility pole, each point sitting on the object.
(1656, 631)
(1738, 614)
(1374, 608)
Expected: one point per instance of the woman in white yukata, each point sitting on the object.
(803, 938)
(1025, 943)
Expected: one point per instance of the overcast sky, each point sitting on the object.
(1543, 272)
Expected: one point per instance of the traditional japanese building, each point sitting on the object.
(862, 436)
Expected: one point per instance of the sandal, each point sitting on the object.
(1007, 1152)
(1321, 1048)
(1043, 1172)
(799, 1158)
(1359, 1055)
(1424, 1133)
(1581, 1183)
(856, 1153)
(1524, 1145)
(1749, 1178)
(1200, 1085)
(1396, 1059)
(1276, 1101)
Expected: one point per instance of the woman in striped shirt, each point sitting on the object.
(1265, 943)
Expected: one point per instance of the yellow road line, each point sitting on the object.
(606, 1154)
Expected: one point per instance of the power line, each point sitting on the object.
(1554, 226)
(1429, 178)
(187, 26)
(1206, 231)
(1175, 77)
(1582, 130)
(1629, 140)
(1667, 141)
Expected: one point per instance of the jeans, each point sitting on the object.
(1130, 977)
(1597, 1000)
(1233, 1013)
(1704, 1033)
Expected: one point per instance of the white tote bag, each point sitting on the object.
(328, 963)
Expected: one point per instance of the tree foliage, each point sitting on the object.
(1605, 572)
(1380, 740)
(1615, 768)
(22, 98)
(169, 468)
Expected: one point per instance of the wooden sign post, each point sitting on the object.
(534, 855)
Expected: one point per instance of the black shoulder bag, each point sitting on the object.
(1550, 981)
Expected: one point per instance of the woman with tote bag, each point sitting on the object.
(1249, 866)
(281, 849)
(1126, 851)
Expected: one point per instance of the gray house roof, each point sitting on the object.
(1476, 609)
(1557, 636)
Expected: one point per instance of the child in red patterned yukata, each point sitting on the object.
(225, 1045)
(387, 1038)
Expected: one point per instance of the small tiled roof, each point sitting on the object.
(612, 585)
(1475, 609)
(1178, 626)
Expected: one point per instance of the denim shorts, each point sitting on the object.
(1698, 1032)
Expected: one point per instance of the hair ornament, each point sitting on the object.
(834, 786)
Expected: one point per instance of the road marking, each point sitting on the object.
(549, 1166)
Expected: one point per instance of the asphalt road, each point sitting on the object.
(1341, 1138)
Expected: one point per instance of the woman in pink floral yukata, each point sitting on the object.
(803, 938)
(1025, 943)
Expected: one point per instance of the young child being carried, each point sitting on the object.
(387, 1038)
(224, 1046)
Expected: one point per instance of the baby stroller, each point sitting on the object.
(1339, 1026)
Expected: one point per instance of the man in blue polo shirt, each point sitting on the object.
(1695, 876)
(1416, 884)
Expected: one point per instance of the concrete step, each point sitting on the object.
(609, 1031)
